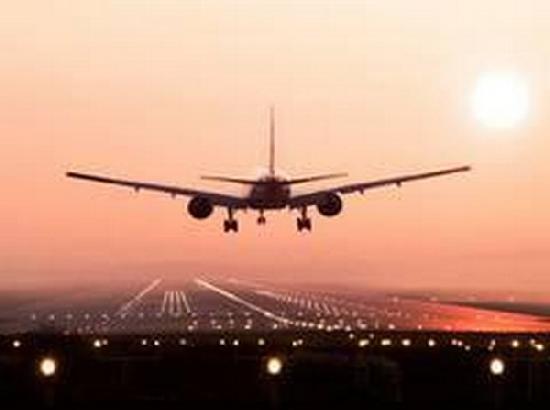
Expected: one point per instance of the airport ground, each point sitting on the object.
(226, 342)
(214, 305)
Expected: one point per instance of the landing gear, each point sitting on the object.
(230, 224)
(261, 218)
(303, 222)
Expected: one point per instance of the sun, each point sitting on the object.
(500, 99)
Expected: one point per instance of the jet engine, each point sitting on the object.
(200, 207)
(330, 205)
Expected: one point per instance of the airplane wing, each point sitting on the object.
(217, 199)
(314, 198)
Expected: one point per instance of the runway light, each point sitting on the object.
(497, 367)
(48, 366)
(431, 343)
(16, 343)
(363, 342)
(515, 343)
(539, 347)
(183, 342)
(274, 366)
(386, 342)
(406, 342)
(261, 342)
(97, 343)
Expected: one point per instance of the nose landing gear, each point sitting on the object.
(261, 218)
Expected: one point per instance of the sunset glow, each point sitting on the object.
(170, 90)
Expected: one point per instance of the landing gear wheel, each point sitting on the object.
(230, 225)
(303, 223)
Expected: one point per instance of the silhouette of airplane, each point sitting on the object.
(269, 192)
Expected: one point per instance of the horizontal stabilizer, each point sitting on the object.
(230, 179)
(271, 181)
(316, 178)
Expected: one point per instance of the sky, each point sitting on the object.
(169, 90)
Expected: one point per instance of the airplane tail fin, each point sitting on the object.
(246, 181)
(271, 140)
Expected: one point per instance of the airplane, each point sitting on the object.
(269, 192)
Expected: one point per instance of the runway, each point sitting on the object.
(204, 304)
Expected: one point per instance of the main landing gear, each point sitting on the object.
(303, 221)
(230, 224)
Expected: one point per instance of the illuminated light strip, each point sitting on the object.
(174, 302)
(170, 302)
(164, 300)
(267, 293)
(177, 304)
(136, 299)
(235, 298)
(185, 301)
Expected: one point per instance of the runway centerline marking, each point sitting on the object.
(136, 299)
(235, 298)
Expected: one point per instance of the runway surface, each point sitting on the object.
(204, 304)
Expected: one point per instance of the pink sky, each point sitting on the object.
(168, 90)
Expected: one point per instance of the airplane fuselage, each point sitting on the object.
(271, 192)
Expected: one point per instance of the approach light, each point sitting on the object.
(497, 366)
(47, 366)
(363, 342)
(274, 366)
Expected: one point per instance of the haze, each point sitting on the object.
(168, 90)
